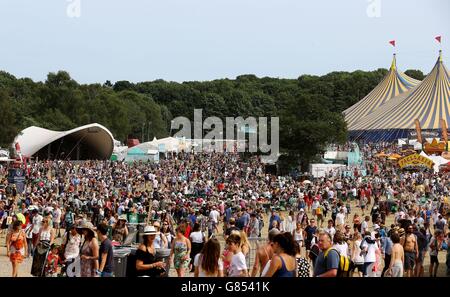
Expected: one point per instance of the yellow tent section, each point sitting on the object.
(393, 84)
(394, 156)
(381, 155)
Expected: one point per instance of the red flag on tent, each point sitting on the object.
(392, 42)
(438, 38)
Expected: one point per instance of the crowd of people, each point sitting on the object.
(224, 215)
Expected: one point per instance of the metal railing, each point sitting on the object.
(255, 242)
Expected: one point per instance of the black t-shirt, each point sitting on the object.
(106, 247)
(147, 258)
(310, 232)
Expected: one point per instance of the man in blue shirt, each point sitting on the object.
(228, 214)
(274, 217)
(326, 266)
(192, 217)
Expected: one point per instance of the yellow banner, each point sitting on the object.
(415, 160)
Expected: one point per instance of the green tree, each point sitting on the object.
(414, 73)
(8, 128)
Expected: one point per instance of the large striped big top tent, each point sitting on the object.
(393, 84)
(428, 102)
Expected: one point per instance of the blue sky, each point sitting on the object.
(185, 40)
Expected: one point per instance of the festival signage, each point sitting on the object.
(415, 160)
(16, 176)
(425, 134)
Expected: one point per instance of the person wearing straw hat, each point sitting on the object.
(146, 262)
(89, 250)
(120, 229)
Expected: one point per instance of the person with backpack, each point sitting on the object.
(327, 263)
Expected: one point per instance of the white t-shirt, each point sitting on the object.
(57, 215)
(340, 219)
(196, 237)
(214, 215)
(341, 248)
(435, 217)
(37, 223)
(201, 272)
(370, 256)
(237, 264)
(72, 249)
(315, 204)
(331, 231)
(364, 227)
(358, 259)
(420, 221)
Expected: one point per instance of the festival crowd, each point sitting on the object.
(218, 214)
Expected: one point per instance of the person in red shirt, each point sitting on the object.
(53, 261)
(187, 231)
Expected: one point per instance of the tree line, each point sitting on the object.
(310, 107)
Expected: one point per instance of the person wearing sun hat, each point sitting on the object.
(146, 261)
(89, 250)
(120, 229)
(20, 217)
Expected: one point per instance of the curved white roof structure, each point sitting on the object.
(92, 141)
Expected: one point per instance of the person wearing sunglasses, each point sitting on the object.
(168, 233)
(160, 239)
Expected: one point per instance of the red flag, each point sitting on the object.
(438, 38)
(392, 42)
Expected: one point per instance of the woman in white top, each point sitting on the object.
(339, 243)
(46, 233)
(160, 239)
(166, 230)
(369, 247)
(289, 222)
(238, 265)
(282, 225)
(356, 258)
(208, 262)
(197, 239)
(298, 235)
